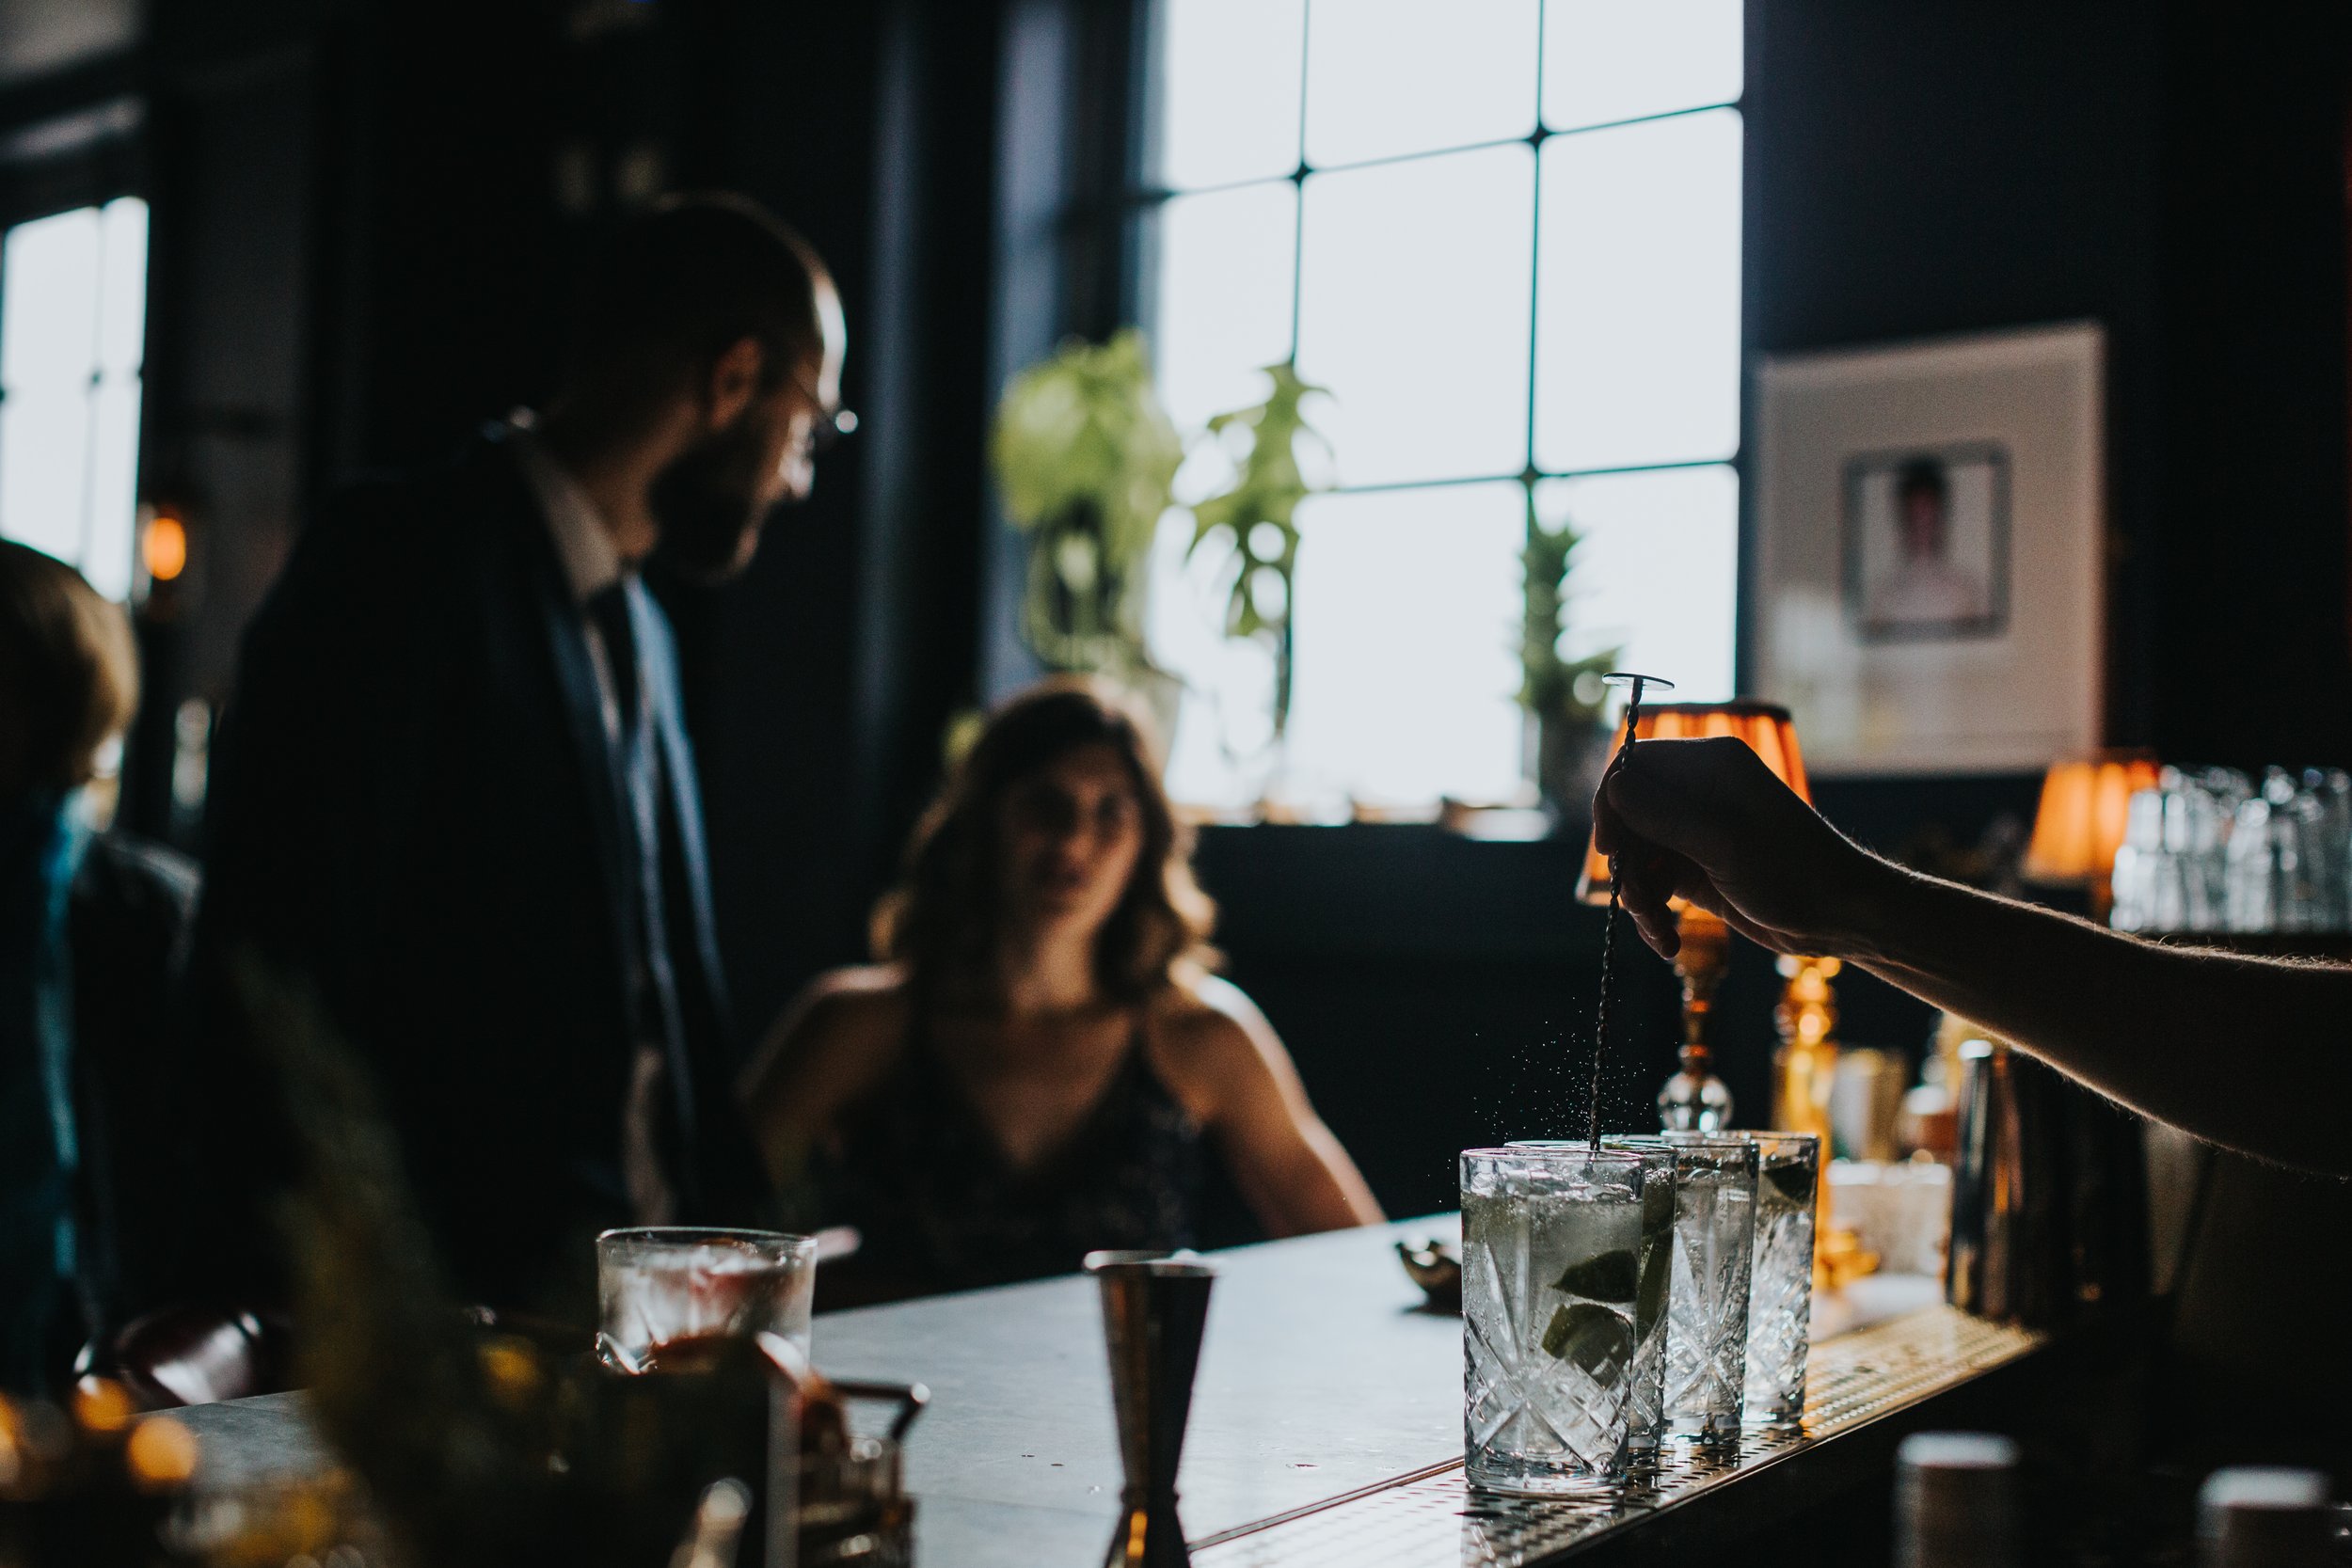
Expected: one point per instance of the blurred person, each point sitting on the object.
(454, 795)
(1030, 1068)
(1706, 821)
(1926, 587)
(92, 929)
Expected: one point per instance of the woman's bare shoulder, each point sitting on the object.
(1198, 1013)
(838, 1035)
(854, 1003)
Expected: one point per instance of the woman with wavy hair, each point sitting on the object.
(1029, 1068)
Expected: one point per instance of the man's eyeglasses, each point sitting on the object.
(826, 426)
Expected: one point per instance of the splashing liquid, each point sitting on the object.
(1609, 932)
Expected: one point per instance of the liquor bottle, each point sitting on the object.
(1956, 1501)
(2254, 1516)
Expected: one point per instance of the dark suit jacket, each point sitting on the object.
(133, 907)
(413, 807)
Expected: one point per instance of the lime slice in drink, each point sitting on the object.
(1658, 1207)
(1657, 1260)
(1591, 1336)
(1793, 1181)
(1610, 1276)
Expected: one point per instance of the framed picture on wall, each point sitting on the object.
(1929, 591)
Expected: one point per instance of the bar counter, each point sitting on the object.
(1327, 1423)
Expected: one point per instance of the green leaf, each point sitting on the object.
(1266, 488)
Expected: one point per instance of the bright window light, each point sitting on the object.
(1505, 235)
(1412, 311)
(1608, 60)
(1387, 78)
(72, 326)
(1637, 333)
(1657, 572)
(1229, 91)
(1229, 265)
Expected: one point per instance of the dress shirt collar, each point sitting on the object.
(590, 564)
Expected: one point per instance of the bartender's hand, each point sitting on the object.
(1706, 821)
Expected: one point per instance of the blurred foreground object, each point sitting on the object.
(1694, 1098)
(91, 1485)
(1956, 1501)
(486, 1441)
(202, 1355)
(2256, 1516)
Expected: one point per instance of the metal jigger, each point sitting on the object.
(1155, 1306)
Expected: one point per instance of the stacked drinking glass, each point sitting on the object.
(2208, 850)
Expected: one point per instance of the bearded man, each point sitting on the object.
(453, 796)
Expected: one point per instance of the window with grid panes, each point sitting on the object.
(1504, 234)
(73, 335)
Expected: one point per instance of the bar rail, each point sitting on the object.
(1431, 1517)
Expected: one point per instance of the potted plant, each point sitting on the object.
(1562, 695)
(1085, 459)
(1255, 515)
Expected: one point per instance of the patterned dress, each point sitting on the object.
(922, 1175)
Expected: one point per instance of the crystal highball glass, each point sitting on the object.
(1655, 1266)
(1707, 1308)
(1780, 1299)
(1551, 1242)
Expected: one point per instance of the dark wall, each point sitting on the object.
(833, 668)
(2175, 172)
(368, 216)
(1956, 166)
(2249, 651)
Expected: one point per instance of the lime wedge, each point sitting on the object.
(1593, 1336)
(1607, 1277)
(1658, 1206)
(1793, 1181)
(1657, 1267)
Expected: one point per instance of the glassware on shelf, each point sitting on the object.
(2210, 850)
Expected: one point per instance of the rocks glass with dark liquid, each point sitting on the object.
(1552, 1243)
(661, 1288)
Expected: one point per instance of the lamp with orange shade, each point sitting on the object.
(1695, 1097)
(2079, 825)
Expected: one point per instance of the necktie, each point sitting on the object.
(608, 608)
(659, 1017)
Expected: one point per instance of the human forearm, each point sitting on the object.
(2243, 1052)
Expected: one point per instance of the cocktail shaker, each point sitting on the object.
(1154, 1306)
(2049, 1194)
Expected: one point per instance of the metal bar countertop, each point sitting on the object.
(1327, 1421)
